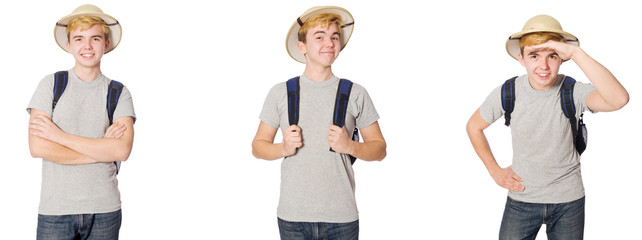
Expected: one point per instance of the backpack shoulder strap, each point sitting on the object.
(60, 83)
(293, 100)
(341, 102)
(568, 105)
(113, 94)
(508, 98)
(566, 97)
(340, 109)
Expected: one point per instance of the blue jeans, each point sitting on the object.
(80, 226)
(522, 220)
(318, 230)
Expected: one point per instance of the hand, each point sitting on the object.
(41, 125)
(115, 131)
(338, 139)
(506, 178)
(564, 50)
(291, 140)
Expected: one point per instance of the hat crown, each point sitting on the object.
(87, 8)
(542, 22)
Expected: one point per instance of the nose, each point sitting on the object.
(328, 42)
(544, 63)
(86, 44)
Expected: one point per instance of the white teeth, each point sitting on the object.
(87, 55)
(543, 75)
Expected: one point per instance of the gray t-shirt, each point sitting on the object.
(81, 111)
(543, 152)
(317, 185)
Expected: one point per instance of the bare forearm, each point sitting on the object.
(475, 129)
(267, 150)
(54, 152)
(100, 149)
(482, 148)
(608, 87)
(369, 151)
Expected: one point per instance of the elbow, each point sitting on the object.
(35, 149)
(34, 152)
(469, 127)
(382, 156)
(382, 152)
(255, 152)
(616, 104)
(121, 155)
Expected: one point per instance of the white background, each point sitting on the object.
(199, 73)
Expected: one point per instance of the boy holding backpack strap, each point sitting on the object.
(317, 185)
(70, 129)
(544, 181)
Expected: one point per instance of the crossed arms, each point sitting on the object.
(373, 147)
(49, 142)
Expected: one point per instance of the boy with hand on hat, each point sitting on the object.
(317, 185)
(79, 194)
(544, 181)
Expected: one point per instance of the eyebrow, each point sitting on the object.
(334, 33)
(537, 53)
(81, 36)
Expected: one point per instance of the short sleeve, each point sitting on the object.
(580, 93)
(43, 96)
(365, 114)
(491, 109)
(125, 107)
(271, 112)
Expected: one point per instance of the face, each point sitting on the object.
(88, 46)
(542, 67)
(322, 45)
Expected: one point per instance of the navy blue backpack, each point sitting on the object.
(113, 94)
(340, 106)
(568, 107)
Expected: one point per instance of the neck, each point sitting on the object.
(87, 74)
(541, 87)
(318, 74)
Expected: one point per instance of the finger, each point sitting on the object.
(293, 128)
(34, 132)
(517, 178)
(518, 187)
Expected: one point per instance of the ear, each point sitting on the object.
(106, 45)
(68, 49)
(301, 46)
(520, 57)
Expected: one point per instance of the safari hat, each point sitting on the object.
(293, 34)
(115, 31)
(539, 23)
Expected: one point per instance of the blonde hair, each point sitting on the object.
(86, 22)
(323, 20)
(537, 38)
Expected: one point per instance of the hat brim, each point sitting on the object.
(512, 43)
(115, 30)
(293, 34)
